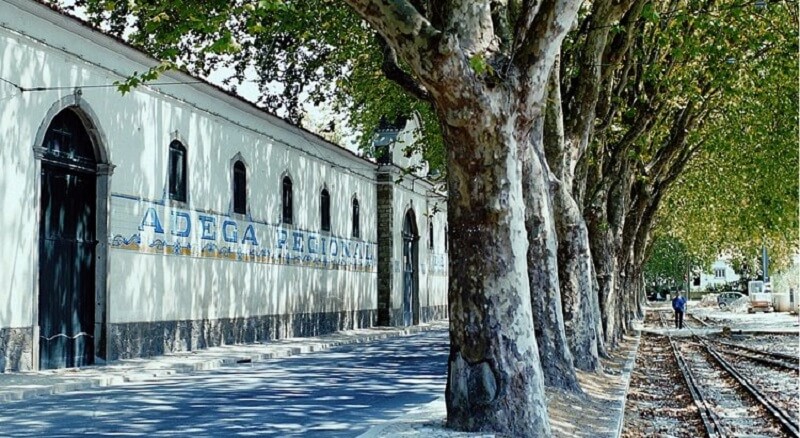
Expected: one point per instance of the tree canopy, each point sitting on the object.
(741, 190)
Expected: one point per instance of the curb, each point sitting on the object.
(184, 363)
(627, 372)
(379, 430)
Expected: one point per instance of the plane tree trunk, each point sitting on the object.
(569, 129)
(483, 66)
(494, 380)
(543, 268)
(581, 311)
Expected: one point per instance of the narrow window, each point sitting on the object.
(239, 188)
(356, 221)
(177, 171)
(430, 235)
(325, 210)
(287, 200)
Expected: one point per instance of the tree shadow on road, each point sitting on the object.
(338, 393)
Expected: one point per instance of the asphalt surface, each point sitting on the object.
(342, 392)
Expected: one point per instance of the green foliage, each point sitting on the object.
(742, 188)
(667, 265)
(479, 64)
(295, 52)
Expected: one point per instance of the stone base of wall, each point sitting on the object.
(426, 314)
(142, 339)
(16, 349)
(433, 313)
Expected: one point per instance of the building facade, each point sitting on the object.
(178, 216)
(722, 274)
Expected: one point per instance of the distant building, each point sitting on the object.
(721, 274)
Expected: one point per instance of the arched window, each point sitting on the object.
(325, 210)
(287, 200)
(430, 235)
(177, 171)
(239, 188)
(356, 220)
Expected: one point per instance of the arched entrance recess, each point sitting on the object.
(67, 244)
(410, 270)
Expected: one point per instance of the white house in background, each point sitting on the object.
(721, 274)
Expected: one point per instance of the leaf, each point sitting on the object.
(478, 64)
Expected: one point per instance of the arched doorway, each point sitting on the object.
(410, 270)
(67, 244)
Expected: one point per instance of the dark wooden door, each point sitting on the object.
(410, 282)
(67, 244)
(408, 279)
(66, 267)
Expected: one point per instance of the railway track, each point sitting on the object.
(778, 360)
(658, 404)
(784, 343)
(722, 391)
(694, 319)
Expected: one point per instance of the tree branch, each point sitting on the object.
(403, 27)
(392, 70)
(540, 30)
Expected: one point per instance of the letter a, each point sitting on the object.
(150, 219)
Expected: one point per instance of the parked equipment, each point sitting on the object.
(760, 297)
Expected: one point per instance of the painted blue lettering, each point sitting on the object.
(312, 244)
(282, 237)
(250, 235)
(150, 219)
(297, 244)
(322, 247)
(208, 225)
(230, 231)
(181, 224)
(369, 251)
(346, 247)
(334, 248)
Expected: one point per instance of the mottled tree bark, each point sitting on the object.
(484, 82)
(581, 310)
(494, 381)
(576, 273)
(543, 268)
(606, 216)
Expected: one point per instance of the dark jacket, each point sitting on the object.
(679, 303)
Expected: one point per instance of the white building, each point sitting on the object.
(721, 274)
(179, 217)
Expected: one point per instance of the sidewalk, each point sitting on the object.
(25, 385)
(597, 413)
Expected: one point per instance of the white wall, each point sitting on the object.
(60, 55)
(429, 207)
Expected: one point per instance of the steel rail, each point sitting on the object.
(666, 324)
(692, 316)
(783, 356)
(711, 421)
(787, 421)
(763, 360)
(661, 319)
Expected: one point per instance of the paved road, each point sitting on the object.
(337, 393)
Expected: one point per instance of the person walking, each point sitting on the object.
(679, 306)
